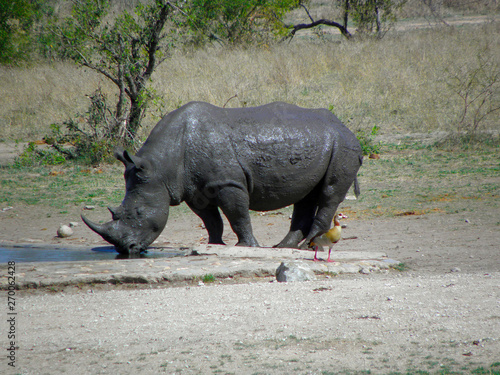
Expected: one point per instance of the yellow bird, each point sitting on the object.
(328, 239)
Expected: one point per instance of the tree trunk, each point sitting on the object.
(379, 22)
(346, 13)
(134, 121)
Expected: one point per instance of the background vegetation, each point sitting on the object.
(403, 82)
(435, 70)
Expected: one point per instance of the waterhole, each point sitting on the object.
(33, 253)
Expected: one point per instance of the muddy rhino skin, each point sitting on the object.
(261, 158)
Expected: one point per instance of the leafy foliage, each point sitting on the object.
(33, 156)
(235, 21)
(88, 138)
(91, 134)
(367, 141)
(126, 50)
(371, 16)
(17, 18)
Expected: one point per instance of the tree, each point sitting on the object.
(126, 50)
(16, 21)
(369, 16)
(293, 28)
(235, 21)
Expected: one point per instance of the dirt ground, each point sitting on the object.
(440, 314)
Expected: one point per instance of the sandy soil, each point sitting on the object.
(442, 314)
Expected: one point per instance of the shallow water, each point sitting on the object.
(23, 254)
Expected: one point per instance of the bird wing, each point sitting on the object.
(334, 234)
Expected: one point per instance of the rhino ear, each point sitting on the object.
(123, 156)
(142, 165)
(127, 159)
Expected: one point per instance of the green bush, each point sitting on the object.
(92, 135)
(367, 141)
(33, 156)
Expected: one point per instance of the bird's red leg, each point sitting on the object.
(316, 254)
(329, 253)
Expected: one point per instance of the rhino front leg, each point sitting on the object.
(234, 202)
(213, 223)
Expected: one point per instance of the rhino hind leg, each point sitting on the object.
(329, 200)
(213, 223)
(322, 221)
(302, 220)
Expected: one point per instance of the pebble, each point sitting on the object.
(365, 271)
(64, 231)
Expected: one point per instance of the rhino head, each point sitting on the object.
(143, 214)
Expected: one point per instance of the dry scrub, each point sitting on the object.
(400, 83)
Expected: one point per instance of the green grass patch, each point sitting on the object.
(208, 278)
(404, 182)
(62, 187)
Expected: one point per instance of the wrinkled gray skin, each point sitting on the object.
(262, 158)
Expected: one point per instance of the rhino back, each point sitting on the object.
(278, 152)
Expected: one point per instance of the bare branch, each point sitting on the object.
(303, 26)
(307, 11)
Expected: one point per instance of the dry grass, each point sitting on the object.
(399, 83)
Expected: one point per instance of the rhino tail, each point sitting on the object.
(357, 190)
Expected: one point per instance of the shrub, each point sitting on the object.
(33, 156)
(367, 141)
(476, 84)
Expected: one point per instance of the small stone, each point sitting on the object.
(89, 208)
(455, 269)
(73, 224)
(64, 231)
(365, 271)
(294, 271)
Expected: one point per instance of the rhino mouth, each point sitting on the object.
(131, 248)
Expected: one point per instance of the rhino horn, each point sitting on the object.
(115, 212)
(106, 231)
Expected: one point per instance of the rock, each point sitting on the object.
(64, 231)
(294, 271)
(365, 270)
(73, 224)
(455, 269)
